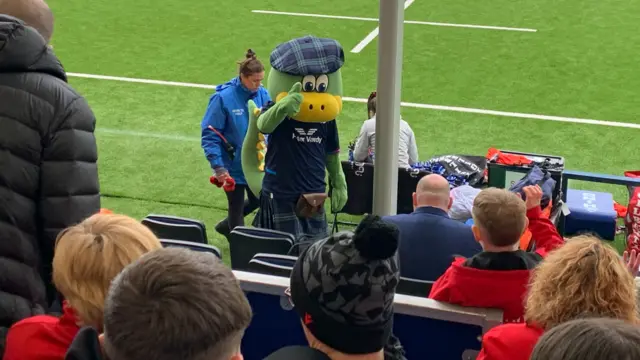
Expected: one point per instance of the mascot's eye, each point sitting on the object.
(322, 83)
(309, 83)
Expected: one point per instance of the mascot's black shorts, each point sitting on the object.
(280, 214)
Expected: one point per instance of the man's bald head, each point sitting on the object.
(35, 13)
(432, 190)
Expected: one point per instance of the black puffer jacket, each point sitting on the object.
(48, 173)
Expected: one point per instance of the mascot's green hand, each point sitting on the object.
(288, 106)
(338, 182)
(338, 198)
(291, 102)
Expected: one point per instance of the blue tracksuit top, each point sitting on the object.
(228, 114)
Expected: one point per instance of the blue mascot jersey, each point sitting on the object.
(296, 157)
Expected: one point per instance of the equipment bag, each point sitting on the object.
(537, 176)
(457, 169)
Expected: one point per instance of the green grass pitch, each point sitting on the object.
(581, 63)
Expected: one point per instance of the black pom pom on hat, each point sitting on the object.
(376, 239)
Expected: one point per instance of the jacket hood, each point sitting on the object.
(22, 49)
(233, 82)
(504, 289)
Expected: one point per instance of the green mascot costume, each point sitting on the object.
(289, 172)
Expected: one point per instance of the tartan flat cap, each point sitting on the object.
(308, 55)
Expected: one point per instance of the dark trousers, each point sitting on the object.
(239, 207)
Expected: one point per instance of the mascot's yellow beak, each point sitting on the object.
(317, 107)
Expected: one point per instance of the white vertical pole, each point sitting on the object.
(385, 181)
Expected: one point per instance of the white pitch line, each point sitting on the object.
(143, 81)
(374, 34)
(145, 134)
(412, 22)
(367, 39)
(405, 104)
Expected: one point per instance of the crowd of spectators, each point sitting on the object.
(78, 284)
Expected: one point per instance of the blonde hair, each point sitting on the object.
(584, 277)
(501, 214)
(89, 255)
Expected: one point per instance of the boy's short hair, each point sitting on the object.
(590, 339)
(89, 255)
(175, 304)
(501, 214)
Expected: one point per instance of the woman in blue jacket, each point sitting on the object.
(224, 127)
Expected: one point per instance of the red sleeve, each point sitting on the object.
(509, 342)
(30, 339)
(493, 348)
(441, 289)
(22, 336)
(543, 232)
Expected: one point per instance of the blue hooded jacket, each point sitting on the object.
(228, 114)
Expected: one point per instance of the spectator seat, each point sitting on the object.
(245, 242)
(191, 246)
(175, 228)
(272, 264)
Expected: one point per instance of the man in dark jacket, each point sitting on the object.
(48, 173)
(429, 239)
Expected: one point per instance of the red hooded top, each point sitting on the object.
(41, 337)
(497, 280)
(509, 342)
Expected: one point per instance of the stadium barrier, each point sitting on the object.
(428, 329)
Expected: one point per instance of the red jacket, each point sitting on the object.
(502, 289)
(509, 342)
(41, 337)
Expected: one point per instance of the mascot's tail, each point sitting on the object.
(254, 150)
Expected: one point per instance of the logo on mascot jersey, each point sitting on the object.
(306, 136)
(238, 112)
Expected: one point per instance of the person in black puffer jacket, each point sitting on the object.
(48, 172)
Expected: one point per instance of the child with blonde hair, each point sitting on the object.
(497, 277)
(88, 256)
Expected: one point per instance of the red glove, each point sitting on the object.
(228, 185)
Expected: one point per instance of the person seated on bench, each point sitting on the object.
(342, 288)
(583, 278)
(86, 259)
(171, 304)
(497, 277)
(429, 239)
(366, 142)
(589, 339)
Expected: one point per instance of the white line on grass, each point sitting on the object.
(405, 104)
(143, 81)
(374, 34)
(413, 22)
(145, 134)
(367, 39)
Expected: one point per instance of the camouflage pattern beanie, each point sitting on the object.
(343, 287)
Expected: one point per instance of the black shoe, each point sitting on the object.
(223, 228)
